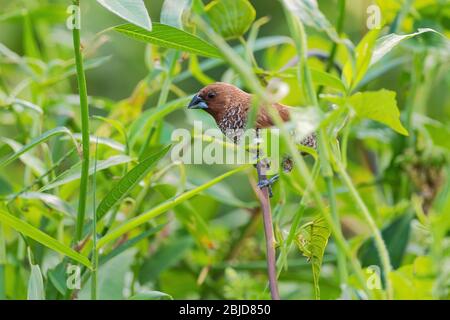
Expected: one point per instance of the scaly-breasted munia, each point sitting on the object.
(230, 107)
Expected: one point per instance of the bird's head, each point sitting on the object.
(218, 97)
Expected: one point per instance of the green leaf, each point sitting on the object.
(111, 278)
(439, 134)
(29, 160)
(133, 11)
(166, 256)
(190, 217)
(385, 44)
(380, 106)
(151, 295)
(309, 13)
(172, 12)
(326, 79)
(151, 116)
(44, 239)
(128, 182)
(312, 240)
(74, 172)
(161, 208)
(44, 137)
(353, 74)
(52, 201)
(129, 243)
(169, 37)
(230, 18)
(27, 104)
(35, 284)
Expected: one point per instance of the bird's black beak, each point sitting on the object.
(197, 103)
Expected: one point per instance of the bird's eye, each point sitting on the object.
(211, 94)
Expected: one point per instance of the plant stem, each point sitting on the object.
(379, 242)
(94, 233)
(339, 27)
(84, 108)
(2, 264)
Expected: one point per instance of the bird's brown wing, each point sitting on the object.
(264, 120)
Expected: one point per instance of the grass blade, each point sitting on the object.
(41, 237)
(42, 138)
(128, 182)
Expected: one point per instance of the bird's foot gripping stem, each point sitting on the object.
(268, 183)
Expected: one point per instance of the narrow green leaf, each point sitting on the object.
(312, 240)
(44, 239)
(35, 284)
(385, 44)
(170, 37)
(52, 201)
(129, 243)
(44, 137)
(230, 18)
(326, 79)
(29, 160)
(151, 116)
(151, 295)
(74, 172)
(353, 74)
(309, 13)
(128, 182)
(133, 11)
(161, 208)
(380, 106)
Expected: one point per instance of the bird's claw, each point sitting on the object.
(268, 183)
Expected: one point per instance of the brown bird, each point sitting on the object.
(230, 107)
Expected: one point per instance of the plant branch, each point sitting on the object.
(263, 195)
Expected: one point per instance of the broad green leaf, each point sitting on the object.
(169, 37)
(151, 295)
(230, 18)
(35, 284)
(52, 201)
(172, 12)
(44, 137)
(128, 182)
(414, 281)
(163, 207)
(312, 240)
(385, 44)
(439, 134)
(353, 74)
(133, 11)
(380, 106)
(44, 239)
(74, 172)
